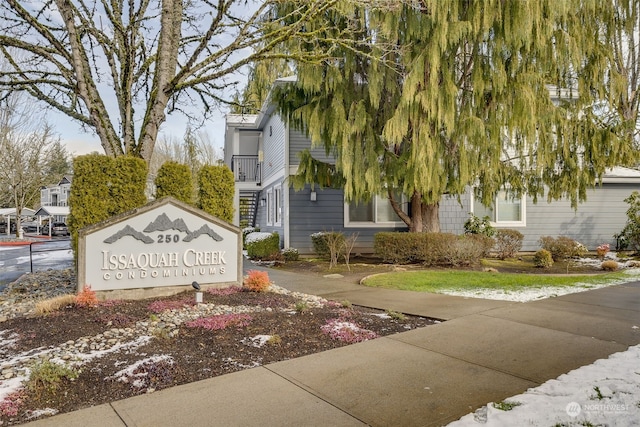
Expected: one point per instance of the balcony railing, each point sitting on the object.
(246, 169)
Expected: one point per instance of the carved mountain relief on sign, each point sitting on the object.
(164, 223)
(129, 231)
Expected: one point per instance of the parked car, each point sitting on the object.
(59, 229)
(3, 227)
(29, 226)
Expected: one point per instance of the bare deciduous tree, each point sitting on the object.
(25, 143)
(623, 35)
(147, 57)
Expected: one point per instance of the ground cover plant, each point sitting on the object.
(84, 352)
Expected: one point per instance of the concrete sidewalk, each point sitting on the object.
(485, 351)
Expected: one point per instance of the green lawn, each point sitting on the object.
(441, 280)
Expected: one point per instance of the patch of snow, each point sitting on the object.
(257, 341)
(8, 341)
(231, 361)
(11, 385)
(532, 294)
(127, 374)
(42, 412)
(256, 236)
(606, 392)
(381, 315)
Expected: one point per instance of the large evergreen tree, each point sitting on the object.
(448, 94)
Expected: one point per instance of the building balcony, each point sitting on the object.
(246, 169)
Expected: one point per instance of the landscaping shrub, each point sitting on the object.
(290, 254)
(629, 237)
(263, 245)
(431, 248)
(398, 247)
(475, 225)
(46, 377)
(436, 248)
(602, 250)
(174, 179)
(256, 281)
(347, 248)
(508, 243)
(216, 188)
(335, 243)
(103, 187)
(54, 304)
(246, 231)
(463, 250)
(562, 247)
(485, 243)
(543, 259)
(321, 242)
(609, 265)
(87, 297)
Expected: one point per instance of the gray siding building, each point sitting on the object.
(263, 153)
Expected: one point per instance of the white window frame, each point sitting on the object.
(277, 204)
(504, 224)
(375, 223)
(270, 207)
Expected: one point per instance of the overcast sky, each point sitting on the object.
(79, 142)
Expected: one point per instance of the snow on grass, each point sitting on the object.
(532, 294)
(606, 392)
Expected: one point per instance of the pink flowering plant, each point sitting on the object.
(163, 305)
(602, 250)
(231, 290)
(10, 405)
(348, 332)
(222, 321)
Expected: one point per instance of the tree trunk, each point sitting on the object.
(431, 218)
(424, 218)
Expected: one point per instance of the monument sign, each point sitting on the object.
(164, 243)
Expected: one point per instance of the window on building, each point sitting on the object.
(270, 208)
(277, 194)
(375, 212)
(506, 210)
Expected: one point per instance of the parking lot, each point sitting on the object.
(17, 260)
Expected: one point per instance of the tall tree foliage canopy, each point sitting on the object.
(118, 67)
(463, 96)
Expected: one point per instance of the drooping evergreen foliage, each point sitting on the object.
(492, 94)
(216, 190)
(103, 187)
(174, 179)
(259, 82)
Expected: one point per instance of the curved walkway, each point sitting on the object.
(485, 351)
